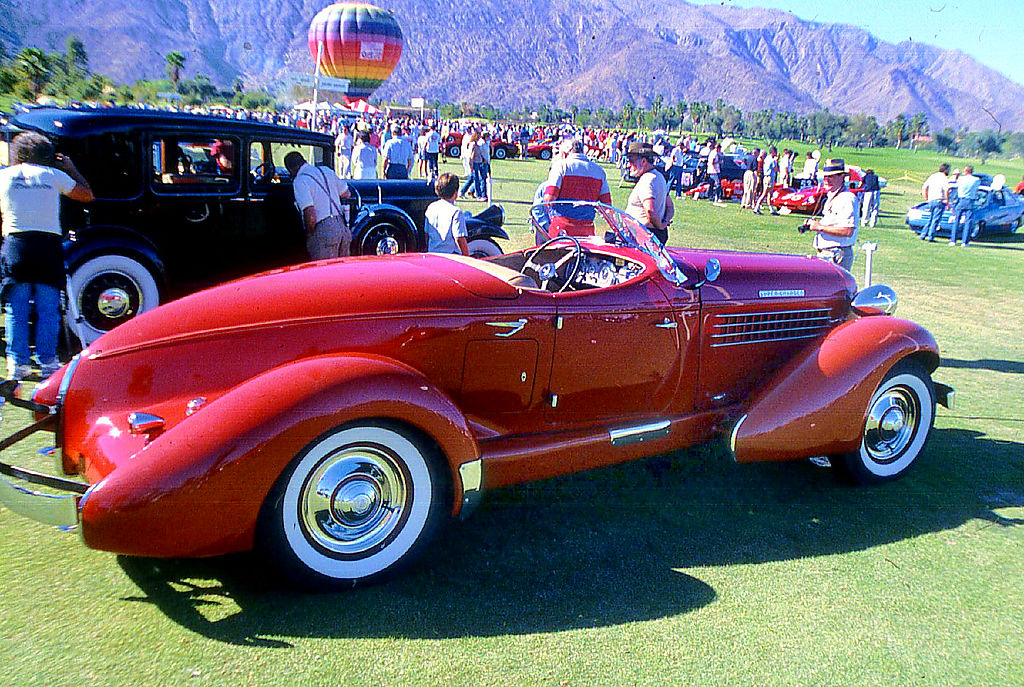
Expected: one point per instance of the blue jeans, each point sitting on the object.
(675, 179)
(714, 187)
(964, 209)
(480, 178)
(935, 210)
(17, 309)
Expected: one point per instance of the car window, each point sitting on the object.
(111, 162)
(266, 159)
(997, 198)
(187, 163)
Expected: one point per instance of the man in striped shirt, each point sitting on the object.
(575, 178)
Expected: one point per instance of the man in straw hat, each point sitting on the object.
(647, 202)
(840, 218)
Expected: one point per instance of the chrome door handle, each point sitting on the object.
(667, 324)
(514, 327)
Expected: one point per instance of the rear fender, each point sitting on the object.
(91, 241)
(197, 488)
(816, 404)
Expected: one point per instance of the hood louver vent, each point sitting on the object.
(782, 325)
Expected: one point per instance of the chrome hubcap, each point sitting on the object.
(113, 302)
(355, 500)
(388, 245)
(891, 423)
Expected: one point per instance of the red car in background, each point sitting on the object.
(500, 150)
(542, 148)
(808, 198)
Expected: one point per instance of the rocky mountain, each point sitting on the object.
(562, 52)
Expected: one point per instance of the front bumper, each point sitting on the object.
(57, 509)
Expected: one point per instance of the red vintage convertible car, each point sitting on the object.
(335, 414)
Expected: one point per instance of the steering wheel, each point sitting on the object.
(264, 172)
(548, 272)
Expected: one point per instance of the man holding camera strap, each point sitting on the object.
(840, 219)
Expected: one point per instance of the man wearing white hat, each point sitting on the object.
(840, 218)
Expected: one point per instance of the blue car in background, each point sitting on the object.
(997, 211)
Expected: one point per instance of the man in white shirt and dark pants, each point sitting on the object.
(319, 195)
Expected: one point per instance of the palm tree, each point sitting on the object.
(175, 63)
(34, 67)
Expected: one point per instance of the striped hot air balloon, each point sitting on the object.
(362, 43)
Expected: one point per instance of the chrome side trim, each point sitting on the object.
(759, 341)
(624, 436)
(471, 477)
(65, 382)
(772, 312)
(515, 327)
(732, 437)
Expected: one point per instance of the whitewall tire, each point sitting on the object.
(109, 290)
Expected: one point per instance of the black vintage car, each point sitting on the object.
(185, 201)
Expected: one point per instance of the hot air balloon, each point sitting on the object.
(362, 43)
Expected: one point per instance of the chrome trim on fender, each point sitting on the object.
(143, 423)
(515, 327)
(624, 436)
(471, 478)
(732, 437)
(65, 382)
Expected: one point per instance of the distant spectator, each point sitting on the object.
(963, 212)
(715, 174)
(432, 149)
(469, 143)
(443, 222)
(398, 155)
(364, 158)
(677, 158)
(769, 177)
(343, 144)
(936, 194)
(869, 198)
(1020, 188)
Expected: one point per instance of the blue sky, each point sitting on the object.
(991, 32)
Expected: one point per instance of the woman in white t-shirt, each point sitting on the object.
(32, 258)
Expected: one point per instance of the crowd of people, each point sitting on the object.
(377, 146)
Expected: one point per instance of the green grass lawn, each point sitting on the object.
(684, 569)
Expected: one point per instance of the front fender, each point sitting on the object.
(817, 403)
(197, 489)
(88, 242)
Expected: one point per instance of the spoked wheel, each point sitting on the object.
(109, 290)
(899, 419)
(356, 505)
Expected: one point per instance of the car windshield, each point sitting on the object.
(581, 219)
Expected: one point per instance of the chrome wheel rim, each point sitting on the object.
(387, 245)
(108, 299)
(355, 501)
(891, 424)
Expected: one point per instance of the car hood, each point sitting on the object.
(347, 287)
(755, 277)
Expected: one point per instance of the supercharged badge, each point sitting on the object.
(780, 293)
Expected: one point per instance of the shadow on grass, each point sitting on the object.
(601, 548)
(1008, 366)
